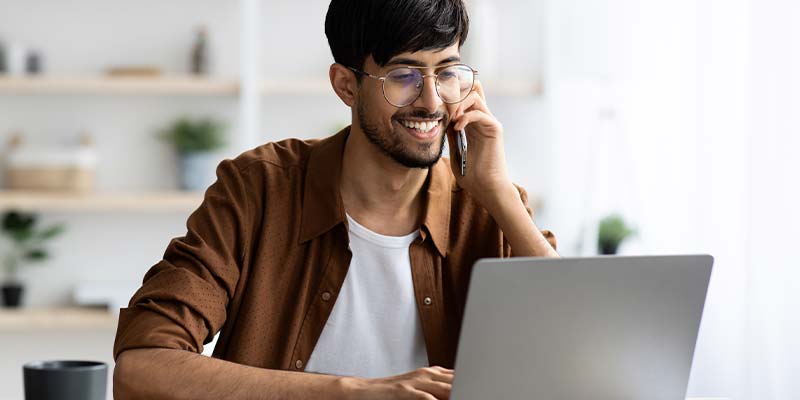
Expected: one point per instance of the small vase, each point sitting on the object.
(197, 170)
(608, 248)
(12, 294)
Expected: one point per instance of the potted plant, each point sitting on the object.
(195, 140)
(26, 244)
(612, 232)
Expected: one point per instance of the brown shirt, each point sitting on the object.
(266, 253)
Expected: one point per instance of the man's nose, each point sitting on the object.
(429, 99)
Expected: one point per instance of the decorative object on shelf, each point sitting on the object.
(2, 58)
(51, 168)
(33, 63)
(199, 59)
(26, 245)
(612, 232)
(15, 59)
(195, 142)
(133, 71)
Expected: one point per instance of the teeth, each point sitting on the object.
(424, 126)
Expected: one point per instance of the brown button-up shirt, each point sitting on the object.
(266, 253)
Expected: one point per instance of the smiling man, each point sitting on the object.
(349, 256)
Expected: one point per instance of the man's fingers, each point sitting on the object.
(476, 102)
(440, 390)
(422, 395)
(478, 87)
(468, 118)
(442, 377)
(473, 101)
(438, 374)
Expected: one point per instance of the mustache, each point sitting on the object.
(422, 114)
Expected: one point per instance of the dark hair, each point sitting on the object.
(386, 28)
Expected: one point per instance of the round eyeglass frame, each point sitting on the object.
(435, 75)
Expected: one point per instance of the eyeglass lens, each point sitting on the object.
(404, 85)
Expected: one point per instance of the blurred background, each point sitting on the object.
(637, 126)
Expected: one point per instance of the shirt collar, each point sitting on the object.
(322, 207)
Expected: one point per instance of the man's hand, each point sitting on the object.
(487, 174)
(487, 178)
(429, 383)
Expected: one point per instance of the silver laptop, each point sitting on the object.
(598, 328)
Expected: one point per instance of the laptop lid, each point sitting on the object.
(581, 328)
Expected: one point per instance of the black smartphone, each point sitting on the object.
(462, 151)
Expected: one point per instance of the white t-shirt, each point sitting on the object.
(374, 328)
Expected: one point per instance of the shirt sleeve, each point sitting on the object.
(551, 238)
(183, 299)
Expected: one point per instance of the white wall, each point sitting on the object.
(774, 218)
(689, 128)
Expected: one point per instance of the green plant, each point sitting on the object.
(27, 242)
(612, 231)
(195, 135)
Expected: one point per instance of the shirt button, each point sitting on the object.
(326, 296)
(299, 364)
(427, 301)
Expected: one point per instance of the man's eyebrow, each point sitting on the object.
(415, 63)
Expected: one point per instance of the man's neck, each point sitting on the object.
(379, 193)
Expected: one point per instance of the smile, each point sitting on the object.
(420, 126)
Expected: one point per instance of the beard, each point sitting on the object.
(389, 140)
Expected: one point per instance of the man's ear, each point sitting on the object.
(344, 83)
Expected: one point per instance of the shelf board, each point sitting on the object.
(55, 319)
(192, 86)
(299, 86)
(167, 85)
(101, 202)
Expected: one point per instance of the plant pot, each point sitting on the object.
(608, 248)
(12, 294)
(197, 170)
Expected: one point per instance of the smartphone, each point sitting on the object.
(462, 151)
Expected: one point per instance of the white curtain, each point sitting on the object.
(685, 116)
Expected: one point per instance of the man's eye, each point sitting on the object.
(403, 77)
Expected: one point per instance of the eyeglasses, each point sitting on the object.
(403, 86)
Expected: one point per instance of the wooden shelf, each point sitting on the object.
(168, 85)
(101, 202)
(192, 86)
(55, 319)
(297, 86)
(502, 87)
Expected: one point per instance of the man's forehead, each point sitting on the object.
(426, 58)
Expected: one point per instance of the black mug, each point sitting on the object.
(65, 380)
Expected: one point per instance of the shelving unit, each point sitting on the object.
(176, 201)
(168, 85)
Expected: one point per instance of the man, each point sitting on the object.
(348, 256)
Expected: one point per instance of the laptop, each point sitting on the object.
(598, 328)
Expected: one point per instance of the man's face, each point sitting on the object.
(390, 128)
